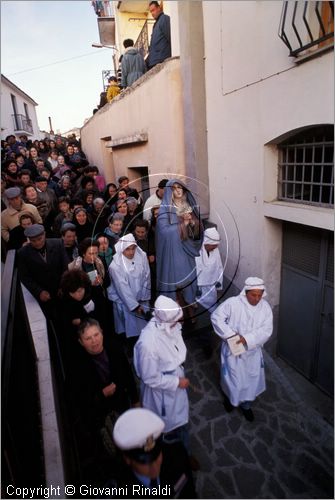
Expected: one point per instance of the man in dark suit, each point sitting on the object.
(153, 469)
(41, 264)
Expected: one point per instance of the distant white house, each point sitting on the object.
(18, 112)
(75, 131)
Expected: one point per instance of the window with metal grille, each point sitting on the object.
(306, 167)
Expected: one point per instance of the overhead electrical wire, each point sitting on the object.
(56, 62)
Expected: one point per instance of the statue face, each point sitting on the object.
(177, 192)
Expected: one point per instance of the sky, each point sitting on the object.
(38, 33)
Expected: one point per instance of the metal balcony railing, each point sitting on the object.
(106, 73)
(307, 25)
(22, 123)
(142, 42)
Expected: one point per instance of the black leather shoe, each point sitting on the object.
(248, 414)
(227, 404)
(194, 464)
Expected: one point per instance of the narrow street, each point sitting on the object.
(287, 452)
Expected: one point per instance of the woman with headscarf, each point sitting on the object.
(84, 226)
(110, 194)
(130, 286)
(89, 262)
(244, 323)
(179, 236)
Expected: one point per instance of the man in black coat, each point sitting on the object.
(40, 265)
(160, 44)
(153, 469)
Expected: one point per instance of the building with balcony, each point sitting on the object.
(243, 110)
(18, 112)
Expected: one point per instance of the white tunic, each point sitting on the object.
(152, 201)
(129, 288)
(242, 377)
(158, 359)
(209, 273)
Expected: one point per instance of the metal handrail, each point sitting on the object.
(32, 363)
(7, 277)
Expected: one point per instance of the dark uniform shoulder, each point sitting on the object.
(176, 471)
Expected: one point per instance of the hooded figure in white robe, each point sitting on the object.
(242, 376)
(209, 270)
(130, 288)
(159, 355)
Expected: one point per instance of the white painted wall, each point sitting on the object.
(241, 47)
(7, 111)
(153, 105)
(171, 9)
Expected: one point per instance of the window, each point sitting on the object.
(26, 111)
(306, 167)
(15, 116)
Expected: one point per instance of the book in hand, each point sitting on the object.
(235, 348)
(92, 275)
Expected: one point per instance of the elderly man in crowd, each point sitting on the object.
(244, 323)
(10, 216)
(41, 264)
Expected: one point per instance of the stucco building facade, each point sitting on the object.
(18, 112)
(247, 116)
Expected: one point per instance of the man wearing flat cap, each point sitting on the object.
(10, 216)
(244, 323)
(41, 264)
(152, 469)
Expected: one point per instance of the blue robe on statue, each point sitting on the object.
(175, 258)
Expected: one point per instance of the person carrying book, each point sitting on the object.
(245, 323)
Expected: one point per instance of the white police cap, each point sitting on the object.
(137, 431)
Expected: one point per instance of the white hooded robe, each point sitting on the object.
(242, 377)
(159, 355)
(130, 287)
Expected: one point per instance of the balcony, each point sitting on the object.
(22, 124)
(307, 27)
(134, 6)
(103, 8)
(142, 42)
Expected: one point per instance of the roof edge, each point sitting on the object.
(15, 87)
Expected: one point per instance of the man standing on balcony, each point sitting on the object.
(160, 44)
(132, 65)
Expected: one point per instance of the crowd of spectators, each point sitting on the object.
(65, 224)
(87, 252)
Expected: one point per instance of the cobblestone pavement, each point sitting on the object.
(287, 452)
